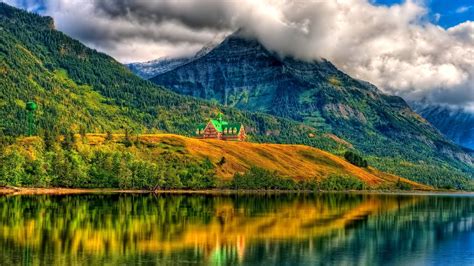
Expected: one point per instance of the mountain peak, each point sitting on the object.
(240, 72)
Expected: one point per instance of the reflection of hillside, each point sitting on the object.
(404, 236)
(216, 227)
(73, 224)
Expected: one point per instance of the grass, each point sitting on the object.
(296, 161)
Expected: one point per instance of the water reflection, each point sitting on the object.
(249, 229)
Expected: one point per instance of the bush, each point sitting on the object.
(341, 183)
(403, 185)
(355, 159)
(258, 178)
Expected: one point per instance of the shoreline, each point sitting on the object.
(76, 191)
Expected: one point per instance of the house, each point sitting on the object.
(220, 129)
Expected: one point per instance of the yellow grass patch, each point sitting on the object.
(296, 161)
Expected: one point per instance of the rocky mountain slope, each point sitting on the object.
(242, 73)
(455, 124)
(152, 68)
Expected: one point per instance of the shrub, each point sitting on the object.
(256, 178)
(355, 159)
(338, 183)
(403, 185)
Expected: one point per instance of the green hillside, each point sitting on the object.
(241, 72)
(81, 90)
(167, 161)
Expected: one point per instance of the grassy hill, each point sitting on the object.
(172, 161)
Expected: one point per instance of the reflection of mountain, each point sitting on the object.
(201, 228)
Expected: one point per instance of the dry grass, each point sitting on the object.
(297, 161)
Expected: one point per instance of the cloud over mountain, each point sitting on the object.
(395, 47)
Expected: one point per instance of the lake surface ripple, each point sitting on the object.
(278, 229)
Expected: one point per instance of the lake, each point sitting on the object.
(246, 229)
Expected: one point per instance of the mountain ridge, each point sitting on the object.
(456, 124)
(240, 72)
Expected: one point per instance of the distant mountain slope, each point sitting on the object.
(152, 68)
(456, 124)
(240, 72)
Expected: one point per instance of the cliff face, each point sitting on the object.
(242, 73)
(456, 124)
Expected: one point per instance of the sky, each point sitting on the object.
(419, 49)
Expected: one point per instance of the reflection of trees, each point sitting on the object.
(383, 238)
(218, 228)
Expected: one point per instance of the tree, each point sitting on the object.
(49, 140)
(69, 141)
(108, 136)
(355, 159)
(127, 141)
(221, 161)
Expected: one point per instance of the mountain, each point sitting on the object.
(455, 123)
(152, 68)
(242, 73)
(80, 89)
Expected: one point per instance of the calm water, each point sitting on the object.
(324, 229)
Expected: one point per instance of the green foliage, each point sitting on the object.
(355, 159)
(258, 178)
(81, 90)
(127, 141)
(340, 183)
(75, 165)
(439, 175)
(108, 136)
(403, 185)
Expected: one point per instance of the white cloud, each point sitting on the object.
(395, 47)
(463, 9)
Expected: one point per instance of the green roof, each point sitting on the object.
(222, 126)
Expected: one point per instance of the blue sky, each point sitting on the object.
(451, 12)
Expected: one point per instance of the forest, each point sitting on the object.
(79, 90)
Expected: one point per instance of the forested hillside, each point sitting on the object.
(166, 161)
(456, 124)
(81, 90)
